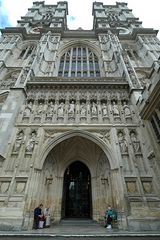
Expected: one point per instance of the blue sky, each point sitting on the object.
(80, 12)
(4, 21)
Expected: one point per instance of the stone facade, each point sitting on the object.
(86, 95)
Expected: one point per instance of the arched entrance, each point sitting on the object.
(95, 155)
(76, 201)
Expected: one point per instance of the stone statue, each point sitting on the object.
(135, 142)
(104, 110)
(50, 109)
(94, 109)
(60, 109)
(19, 141)
(40, 109)
(71, 108)
(115, 109)
(31, 142)
(126, 109)
(122, 143)
(83, 109)
(28, 109)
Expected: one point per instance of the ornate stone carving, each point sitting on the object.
(147, 186)
(4, 186)
(20, 187)
(103, 135)
(60, 109)
(40, 108)
(18, 142)
(131, 187)
(126, 109)
(50, 110)
(83, 109)
(135, 142)
(31, 142)
(94, 109)
(122, 143)
(115, 109)
(71, 109)
(28, 109)
(104, 110)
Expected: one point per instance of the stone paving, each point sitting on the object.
(81, 232)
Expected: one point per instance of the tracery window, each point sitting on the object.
(79, 62)
(26, 52)
(155, 121)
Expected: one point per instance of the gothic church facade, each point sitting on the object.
(80, 118)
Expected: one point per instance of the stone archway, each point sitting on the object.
(65, 153)
(63, 150)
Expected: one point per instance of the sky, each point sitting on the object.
(80, 12)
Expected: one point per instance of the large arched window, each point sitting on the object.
(79, 62)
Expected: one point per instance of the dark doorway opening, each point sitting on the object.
(77, 191)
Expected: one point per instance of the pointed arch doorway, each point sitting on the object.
(77, 202)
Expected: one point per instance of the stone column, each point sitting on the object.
(58, 198)
(95, 199)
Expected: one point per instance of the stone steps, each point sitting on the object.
(78, 222)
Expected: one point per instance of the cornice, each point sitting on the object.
(52, 81)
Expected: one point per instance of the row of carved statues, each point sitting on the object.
(123, 144)
(32, 140)
(72, 108)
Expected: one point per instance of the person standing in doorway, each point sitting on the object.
(37, 216)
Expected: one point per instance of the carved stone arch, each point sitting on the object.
(72, 160)
(26, 48)
(27, 43)
(48, 146)
(73, 43)
(3, 96)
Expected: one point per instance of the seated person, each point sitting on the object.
(109, 217)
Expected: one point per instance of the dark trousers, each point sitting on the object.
(36, 222)
(109, 221)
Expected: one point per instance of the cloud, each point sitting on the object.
(4, 21)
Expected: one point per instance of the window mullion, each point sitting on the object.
(87, 59)
(94, 65)
(70, 62)
(156, 124)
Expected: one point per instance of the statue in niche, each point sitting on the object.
(83, 109)
(19, 141)
(71, 109)
(40, 108)
(60, 109)
(28, 109)
(115, 109)
(135, 142)
(50, 109)
(122, 143)
(126, 109)
(104, 110)
(94, 109)
(31, 142)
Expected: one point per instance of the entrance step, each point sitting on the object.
(78, 222)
